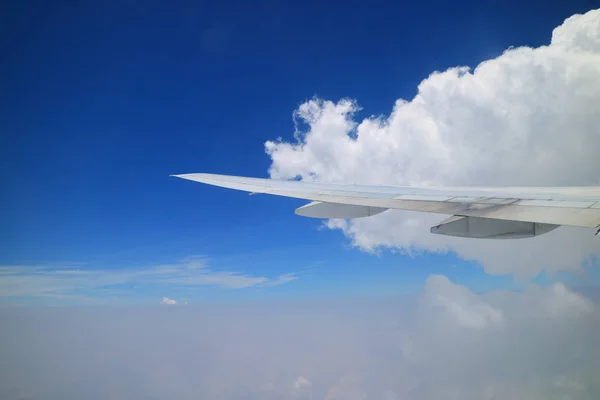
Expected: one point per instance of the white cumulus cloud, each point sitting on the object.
(528, 117)
(168, 301)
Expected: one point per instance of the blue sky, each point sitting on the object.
(102, 102)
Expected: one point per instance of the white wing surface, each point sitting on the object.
(478, 212)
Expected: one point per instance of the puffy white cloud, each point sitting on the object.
(168, 301)
(528, 117)
(540, 343)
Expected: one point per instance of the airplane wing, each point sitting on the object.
(476, 212)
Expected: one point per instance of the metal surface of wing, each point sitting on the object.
(570, 206)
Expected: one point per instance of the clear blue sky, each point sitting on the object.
(101, 101)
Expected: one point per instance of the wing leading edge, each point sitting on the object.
(524, 212)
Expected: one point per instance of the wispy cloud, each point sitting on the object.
(285, 278)
(73, 282)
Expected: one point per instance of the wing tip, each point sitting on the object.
(187, 176)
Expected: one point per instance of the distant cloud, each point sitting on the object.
(80, 283)
(529, 117)
(168, 301)
(447, 342)
(227, 280)
(460, 304)
(302, 382)
(347, 389)
(285, 278)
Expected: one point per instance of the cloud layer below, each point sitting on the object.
(446, 343)
(529, 117)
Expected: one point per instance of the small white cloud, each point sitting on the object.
(302, 382)
(168, 301)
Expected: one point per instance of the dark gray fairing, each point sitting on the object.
(318, 209)
(487, 228)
